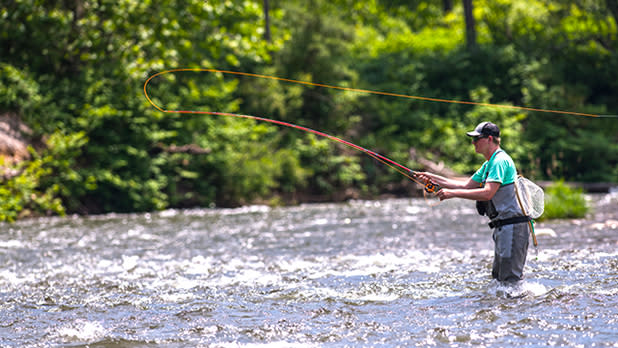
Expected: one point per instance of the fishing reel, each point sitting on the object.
(431, 187)
(430, 192)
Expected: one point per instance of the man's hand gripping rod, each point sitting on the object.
(430, 186)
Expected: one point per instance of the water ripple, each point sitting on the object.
(387, 273)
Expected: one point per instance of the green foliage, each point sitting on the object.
(73, 71)
(18, 92)
(564, 202)
(20, 195)
(329, 171)
(37, 185)
(317, 52)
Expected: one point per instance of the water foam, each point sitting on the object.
(11, 244)
(82, 331)
(517, 290)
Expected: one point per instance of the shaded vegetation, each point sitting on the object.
(562, 201)
(74, 70)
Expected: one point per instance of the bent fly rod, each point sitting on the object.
(428, 186)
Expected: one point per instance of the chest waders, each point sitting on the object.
(510, 232)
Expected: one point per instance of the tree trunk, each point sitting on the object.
(470, 24)
(447, 6)
(266, 22)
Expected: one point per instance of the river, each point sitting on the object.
(390, 273)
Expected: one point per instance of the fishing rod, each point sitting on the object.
(429, 187)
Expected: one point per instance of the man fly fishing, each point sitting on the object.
(492, 186)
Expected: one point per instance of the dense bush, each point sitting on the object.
(74, 71)
(563, 201)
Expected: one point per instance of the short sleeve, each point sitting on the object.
(502, 170)
(479, 175)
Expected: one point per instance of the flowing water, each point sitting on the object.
(392, 273)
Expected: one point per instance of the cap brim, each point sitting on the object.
(473, 134)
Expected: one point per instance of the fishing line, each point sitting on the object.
(403, 170)
(366, 91)
(429, 187)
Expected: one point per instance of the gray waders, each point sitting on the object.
(510, 251)
(510, 234)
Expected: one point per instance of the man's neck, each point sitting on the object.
(491, 151)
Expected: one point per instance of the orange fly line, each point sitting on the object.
(429, 187)
(349, 89)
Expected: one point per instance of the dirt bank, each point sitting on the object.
(13, 143)
(13, 138)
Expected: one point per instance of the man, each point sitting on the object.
(492, 186)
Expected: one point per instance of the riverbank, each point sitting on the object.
(13, 141)
(588, 187)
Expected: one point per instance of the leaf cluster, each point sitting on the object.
(74, 70)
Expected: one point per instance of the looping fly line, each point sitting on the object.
(430, 188)
(366, 91)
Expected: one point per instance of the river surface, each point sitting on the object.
(391, 273)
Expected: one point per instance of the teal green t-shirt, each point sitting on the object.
(500, 168)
